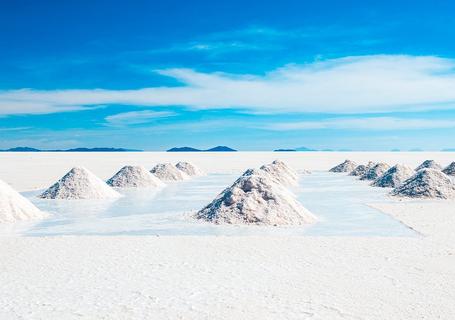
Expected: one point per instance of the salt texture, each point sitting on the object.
(256, 198)
(168, 172)
(450, 169)
(281, 172)
(14, 207)
(80, 183)
(189, 168)
(430, 164)
(394, 177)
(427, 183)
(375, 171)
(346, 166)
(134, 177)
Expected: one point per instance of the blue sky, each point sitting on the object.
(253, 75)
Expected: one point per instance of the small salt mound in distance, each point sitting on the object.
(256, 198)
(14, 207)
(281, 172)
(80, 183)
(450, 169)
(361, 169)
(375, 171)
(168, 172)
(430, 164)
(346, 166)
(134, 177)
(189, 168)
(427, 183)
(394, 177)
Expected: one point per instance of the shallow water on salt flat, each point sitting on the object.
(337, 200)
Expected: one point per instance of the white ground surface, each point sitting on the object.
(229, 277)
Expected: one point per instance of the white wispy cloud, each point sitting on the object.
(137, 117)
(365, 84)
(372, 123)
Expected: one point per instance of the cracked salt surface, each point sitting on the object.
(339, 202)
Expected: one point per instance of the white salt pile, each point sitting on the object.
(346, 166)
(168, 172)
(80, 183)
(427, 183)
(361, 169)
(375, 171)
(189, 168)
(14, 207)
(134, 177)
(256, 198)
(450, 169)
(282, 173)
(394, 177)
(430, 164)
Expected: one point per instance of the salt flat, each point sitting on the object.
(228, 277)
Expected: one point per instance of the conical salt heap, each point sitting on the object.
(80, 183)
(346, 166)
(429, 164)
(189, 168)
(168, 172)
(427, 183)
(134, 177)
(375, 171)
(361, 169)
(256, 198)
(394, 177)
(281, 172)
(14, 207)
(450, 169)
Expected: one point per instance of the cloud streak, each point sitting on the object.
(137, 117)
(365, 84)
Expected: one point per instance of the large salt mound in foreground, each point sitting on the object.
(429, 164)
(281, 172)
(346, 166)
(189, 168)
(168, 172)
(79, 183)
(450, 169)
(375, 171)
(394, 177)
(256, 198)
(427, 183)
(14, 207)
(134, 177)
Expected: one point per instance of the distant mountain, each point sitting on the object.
(327, 150)
(448, 150)
(183, 149)
(22, 149)
(28, 149)
(221, 149)
(285, 150)
(191, 149)
(99, 150)
(395, 150)
(416, 150)
(304, 149)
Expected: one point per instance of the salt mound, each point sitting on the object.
(281, 172)
(450, 169)
(134, 177)
(79, 183)
(430, 164)
(361, 169)
(167, 172)
(394, 177)
(14, 207)
(256, 198)
(427, 183)
(189, 168)
(375, 171)
(346, 166)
